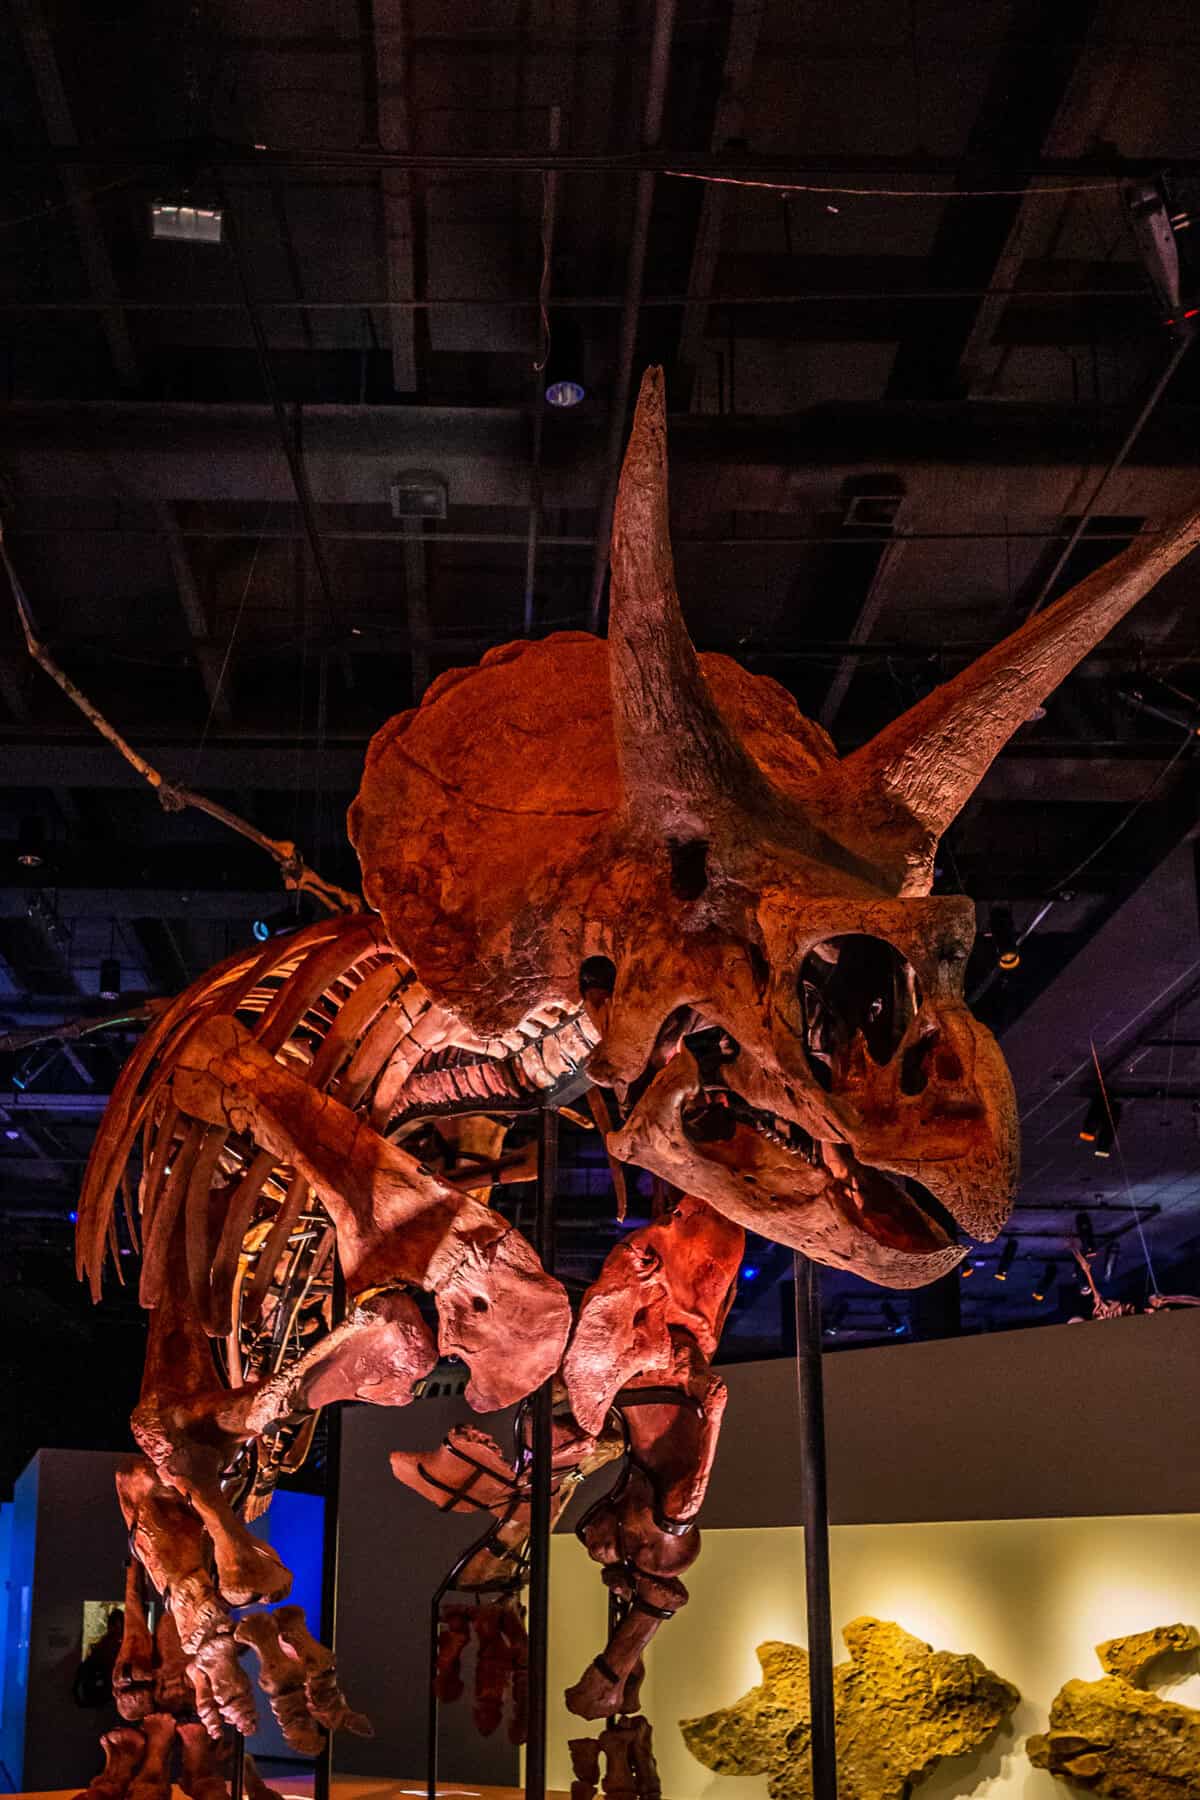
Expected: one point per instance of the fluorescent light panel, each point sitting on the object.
(189, 224)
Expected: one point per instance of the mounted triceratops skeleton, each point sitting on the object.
(620, 858)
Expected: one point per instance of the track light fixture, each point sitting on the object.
(1085, 1233)
(1044, 1283)
(1004, 936)
(1007, 1258)
(1099, 1128)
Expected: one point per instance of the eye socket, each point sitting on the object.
(597, 974)
(853, 984)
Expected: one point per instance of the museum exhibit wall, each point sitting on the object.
(1069, 1423)
(394, 1549)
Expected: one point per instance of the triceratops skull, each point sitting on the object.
(745, 916)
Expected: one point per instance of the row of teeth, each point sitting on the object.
(783, 1133)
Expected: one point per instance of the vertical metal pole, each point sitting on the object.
(542, 1428)
(431, 1726)
(323, 1767)
(815, 1509)
(237, 1772)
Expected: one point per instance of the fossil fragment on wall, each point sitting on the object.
(1116, 1736)
(901, 1707)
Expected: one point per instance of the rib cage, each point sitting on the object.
(338, 1005)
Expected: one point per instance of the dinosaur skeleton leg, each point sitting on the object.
(152, 1780)
(297, 1675)
(123, 1748)
(134, 1670)
(171, 1544)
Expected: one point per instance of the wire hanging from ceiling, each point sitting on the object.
(1029, 192)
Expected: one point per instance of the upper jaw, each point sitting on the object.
(698, 1130)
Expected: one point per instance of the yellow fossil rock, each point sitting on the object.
(900, 1707)
(1114, 1736)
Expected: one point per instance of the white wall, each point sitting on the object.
(1032, 1597)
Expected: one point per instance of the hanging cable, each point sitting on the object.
(1116, 1138)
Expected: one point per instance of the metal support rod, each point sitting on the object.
(1183, 344)
(431, 1728)
(549, 216)
(323, 1767)
(291, 449)
(635, 272)
(814, 1503)
(542, 1427)
(237, 1768)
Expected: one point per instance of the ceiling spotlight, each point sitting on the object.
(563, 373)
(185, 222)
(837, 1317)
(892, 1319)
(31, 842)
(1045, 1283)
(12, 1134)
(1085, 1233)
(749, 1272)
(1007, 1258)
(110, 978)
(1004, 936)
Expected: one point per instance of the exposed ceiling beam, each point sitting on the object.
(745, 24)
(1099, 74)
(1028, 82)
(43, 62)
(1026, 770)
(208, 657)
(889, 573)
(101, 451)
(390, 30)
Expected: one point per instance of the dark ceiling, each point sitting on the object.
(906, 409)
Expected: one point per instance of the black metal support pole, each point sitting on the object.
(815, 1508)
(542, 1427)
(237, 1771)
(323, 1767)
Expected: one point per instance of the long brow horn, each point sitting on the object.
(678, 760)
(930, 761)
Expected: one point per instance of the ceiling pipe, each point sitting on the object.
(635, 270)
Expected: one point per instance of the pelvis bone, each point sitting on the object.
(746, 916)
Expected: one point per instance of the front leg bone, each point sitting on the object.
(172, 1688)
(133, 1675)
(396, 1221)
(171, 1544)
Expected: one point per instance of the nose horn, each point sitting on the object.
(680, 764)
